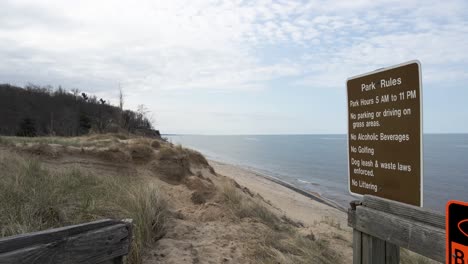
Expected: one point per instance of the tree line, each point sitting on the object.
(41, 110)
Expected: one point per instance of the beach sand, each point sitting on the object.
(321, 219)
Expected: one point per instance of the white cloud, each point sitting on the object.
(210, 44)
(155, 45)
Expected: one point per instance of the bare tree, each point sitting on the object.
(144, 116)
(121, 113)
(121, 98)
(75, 92)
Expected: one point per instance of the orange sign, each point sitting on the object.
(457, 232)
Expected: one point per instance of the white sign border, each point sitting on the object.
(421, 187)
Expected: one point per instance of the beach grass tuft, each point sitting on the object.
(291, 247)
(245, 207)
(35, 198)
(281, 242)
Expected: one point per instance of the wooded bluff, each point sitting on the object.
(40, 111)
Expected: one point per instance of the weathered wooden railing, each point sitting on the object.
(105, 241)
(381, 227)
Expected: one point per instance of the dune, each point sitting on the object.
(185, 209)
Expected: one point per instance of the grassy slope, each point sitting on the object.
(35, 197)
(165, 189)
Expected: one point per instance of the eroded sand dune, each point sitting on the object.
(217, 213)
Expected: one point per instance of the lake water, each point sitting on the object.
(319, 162)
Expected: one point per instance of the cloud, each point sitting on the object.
(149, 46)
(213, 44)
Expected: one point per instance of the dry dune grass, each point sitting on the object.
(172, 165)
(244, 207)
(35, 198)
(112, 154)
(150, 214)
(280, 243)
(196, 158)
(24, 141)
(107, 136)
(293, 248)
(141, 153)
(94, 140)
(203, 188)
(156, 144)
(42, 149)
(112, 147)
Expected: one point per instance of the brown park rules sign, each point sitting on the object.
(385, 133)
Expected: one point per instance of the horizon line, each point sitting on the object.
(295, 134)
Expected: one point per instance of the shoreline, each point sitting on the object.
(298, 204)
(311, 195)
(314, 214)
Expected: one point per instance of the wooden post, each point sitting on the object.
(381, 227)
(373, 250)
(357, 247)
(392, 253)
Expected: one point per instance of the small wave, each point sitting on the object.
(461, 146)
(307, 182)
(299, 180)
(252, 139)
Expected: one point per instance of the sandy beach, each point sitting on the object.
(319, 218)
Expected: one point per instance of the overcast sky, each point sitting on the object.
(239, 67)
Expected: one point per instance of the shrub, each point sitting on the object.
(85, 123)
(42, 149)
(196, 157)
(27, 128)
(141, 152)
(155, 144)
(172, 164)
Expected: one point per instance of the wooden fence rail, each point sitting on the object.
(104, 241)
(381, 227)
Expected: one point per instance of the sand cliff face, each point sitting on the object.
(184, 211)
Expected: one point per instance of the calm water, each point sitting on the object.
(319, 162)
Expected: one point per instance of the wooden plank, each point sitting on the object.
(129, 223)
(42, 237)
(404, 210)
(392, 253)
(94, 246)
(421, 238)
(118, 260)
(357, 247)
(373, 250)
